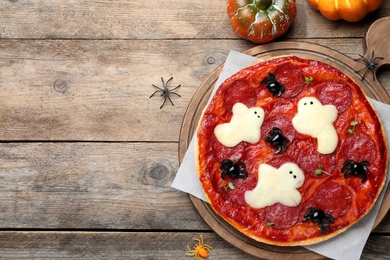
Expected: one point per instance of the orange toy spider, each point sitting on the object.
(201, 250)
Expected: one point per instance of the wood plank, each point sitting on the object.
(135, 245)
(95, 186)
(155, 19)
(99, 90)
(110, 245)
(92, 186)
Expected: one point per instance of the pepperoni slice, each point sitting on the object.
(278, 160)
(357, 147)
(309, 160)
(333, 198)
(279, 108)
(237, 196)
(335, 92)
(239, 91)
(281, 216)
(281, 122)
(292, 79)
(222, 152)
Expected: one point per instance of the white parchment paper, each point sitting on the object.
(348, 245)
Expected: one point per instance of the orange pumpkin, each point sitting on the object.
(348, 10)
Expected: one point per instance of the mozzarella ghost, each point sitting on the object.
(276, 186)
(317, 120)
(244, 125)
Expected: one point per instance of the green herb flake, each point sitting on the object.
(353, 124)
(320, 170)
(309, 79)
(270, 224)
(231, 186)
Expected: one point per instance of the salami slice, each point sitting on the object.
(222, 152)
(335, 92)
(333, 198)
(292, 79)
(280, 216)
(278, 108)
(311, 162)
(240, 91)
(278, 160)
(357, 147)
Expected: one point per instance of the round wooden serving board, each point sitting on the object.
(374, 41)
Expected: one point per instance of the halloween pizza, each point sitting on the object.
(289, 151)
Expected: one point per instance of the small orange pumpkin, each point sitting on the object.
(348, 10)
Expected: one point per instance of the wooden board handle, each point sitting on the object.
(377, 41)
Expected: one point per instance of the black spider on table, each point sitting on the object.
(165, 91)
(277, 139)
(318, 216)
(355, 168)
(275, 87)
(370, 65)
(234, 170)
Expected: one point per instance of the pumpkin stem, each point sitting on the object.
(263, 4)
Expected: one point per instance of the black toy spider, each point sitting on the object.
(355, 168)
(277, 139)
(318, 216)
(370, 65)
(234, 170)
(273, 86)
(165, 92)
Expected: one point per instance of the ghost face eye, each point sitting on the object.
(311, 103)
(256, 114)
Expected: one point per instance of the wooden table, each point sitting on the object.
(86, 157)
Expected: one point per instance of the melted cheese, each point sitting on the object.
(317, 120)
(276, 186)
(244, 125)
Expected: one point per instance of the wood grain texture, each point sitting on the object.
(135, 245)
(92, 186)
(85, 155)
(111, 245)
(128, 19)
(99, 90)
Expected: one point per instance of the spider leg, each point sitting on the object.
(154, 93)
(322, 228)
(365, 68)
(163, 81)
(157, 87)
(324, 224)
(175, 88)
(175, 94)
(168, 81)
(364, 74)
(165, 99)
(363, 59)
(364, 177)
(170, 99)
